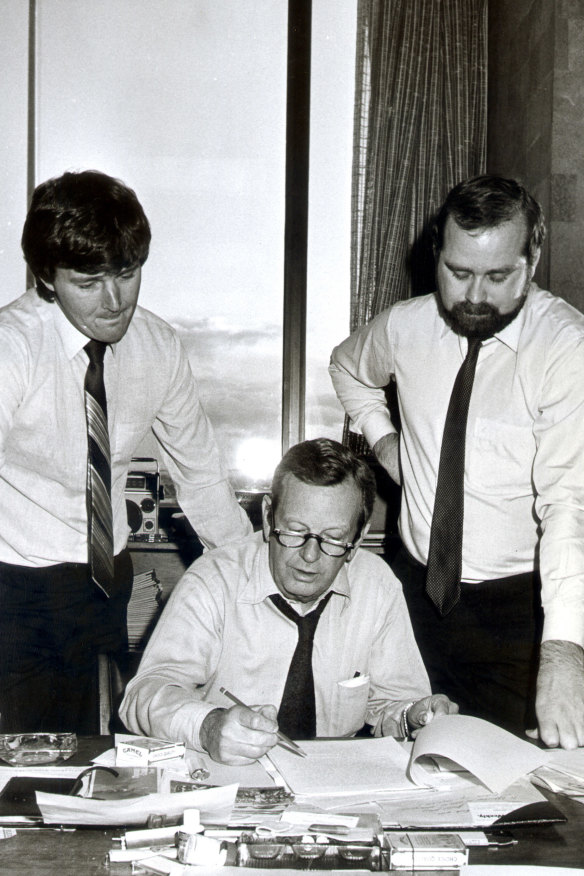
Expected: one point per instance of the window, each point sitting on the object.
(186, 102)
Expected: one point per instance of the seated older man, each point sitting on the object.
(296, 615)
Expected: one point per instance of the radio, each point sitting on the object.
(142, 499)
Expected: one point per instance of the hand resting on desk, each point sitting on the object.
(559, 701)
(239, 735)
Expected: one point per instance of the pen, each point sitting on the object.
(284, 741)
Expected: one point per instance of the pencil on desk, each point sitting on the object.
(285, 742)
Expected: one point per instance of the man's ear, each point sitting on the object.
(534, 262)
(266, 516)
(357, 542)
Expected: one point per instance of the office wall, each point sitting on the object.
(536, 123)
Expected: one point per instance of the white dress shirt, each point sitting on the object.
(220, 628)
(524, 465)
(43, 437)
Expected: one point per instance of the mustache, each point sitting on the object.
(469, 309)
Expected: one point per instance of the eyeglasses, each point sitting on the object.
(328, 546)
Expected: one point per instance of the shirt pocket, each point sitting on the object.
(349, 706)
(500, 457)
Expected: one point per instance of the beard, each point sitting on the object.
(479, 321)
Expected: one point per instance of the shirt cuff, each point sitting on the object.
(186, 723)
(377, 426)
(563, 626)
(388, 722)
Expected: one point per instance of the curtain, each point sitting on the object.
(420, 127)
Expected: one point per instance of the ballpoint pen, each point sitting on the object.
(284, 741)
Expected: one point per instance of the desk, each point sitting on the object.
(83, 852)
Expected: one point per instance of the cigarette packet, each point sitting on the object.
(421, 850)
(144, 750)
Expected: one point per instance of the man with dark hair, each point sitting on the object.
(491, 399)
(86, 374)
(297, 615)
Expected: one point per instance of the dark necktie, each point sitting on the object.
(297, 712)
(445, 553)
(99, 505)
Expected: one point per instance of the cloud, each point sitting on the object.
(239, 373)
(239, 377)
(209, 331)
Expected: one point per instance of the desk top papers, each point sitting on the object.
(129, 795)
(494, 756)
(344, 767)
(214, 804)
(460, 771)
(564, 774)
(440, 755)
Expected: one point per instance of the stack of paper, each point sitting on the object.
(449, 752)
(143, 609)
(356, 767)
(471, 772)
(564, 774)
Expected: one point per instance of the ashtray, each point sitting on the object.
(25, 749)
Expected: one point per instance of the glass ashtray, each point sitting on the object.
(25, 749)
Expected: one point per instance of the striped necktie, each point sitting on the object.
(297, 712)
(99, 505)
(445, 552)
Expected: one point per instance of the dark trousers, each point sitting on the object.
(54, 622)
(483, 654)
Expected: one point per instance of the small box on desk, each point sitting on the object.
(425, 850)
(143, 751)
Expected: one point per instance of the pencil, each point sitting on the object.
(284, 741)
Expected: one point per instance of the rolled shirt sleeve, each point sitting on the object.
(558, 476)
(190, 453)
(360, 367)
(166, 697)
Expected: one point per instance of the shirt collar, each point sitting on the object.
(72, 339)
(261, 585)
(511, 333)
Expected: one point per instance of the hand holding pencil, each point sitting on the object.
(284, 741)
(241, 734)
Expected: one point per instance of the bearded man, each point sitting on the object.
(489, 377)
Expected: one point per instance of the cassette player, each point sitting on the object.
(143, 500)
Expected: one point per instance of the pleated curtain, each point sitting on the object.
(420, 127)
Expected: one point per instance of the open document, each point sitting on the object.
(492, 755)
(459, 772)
(441, 750)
